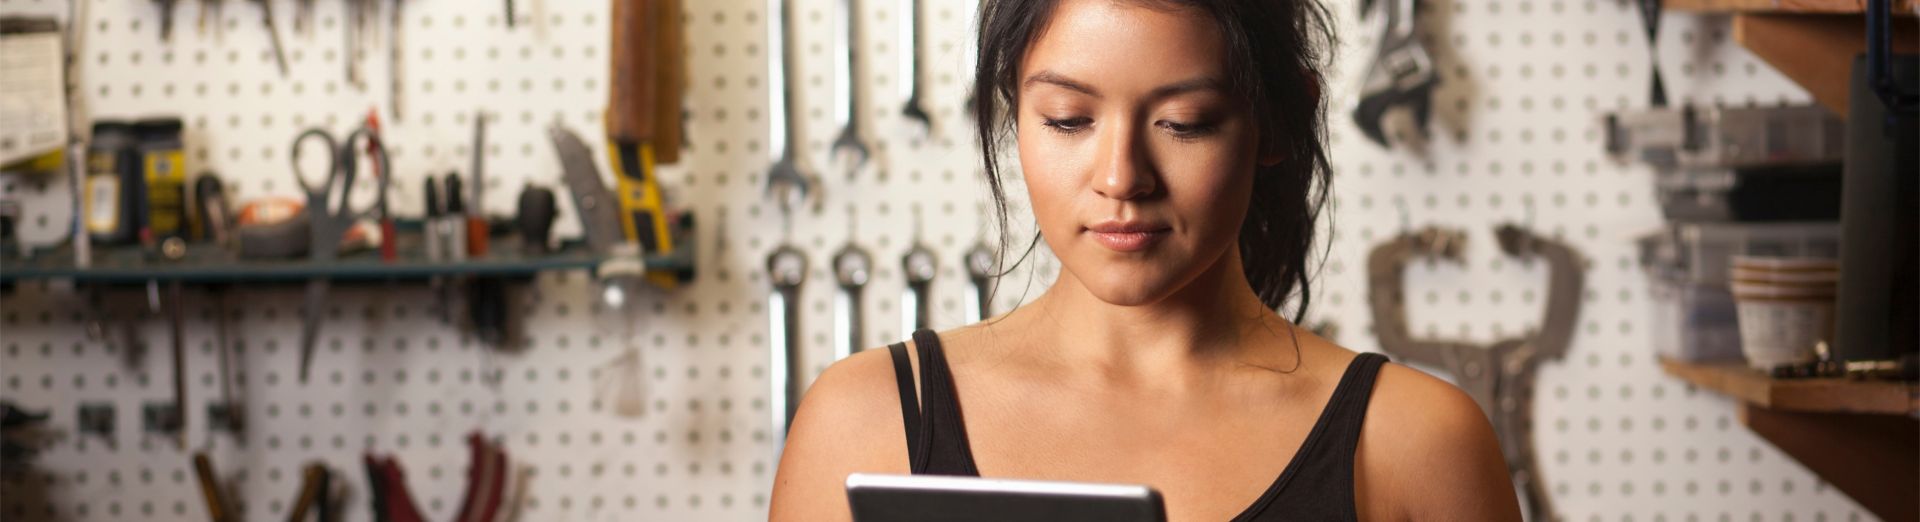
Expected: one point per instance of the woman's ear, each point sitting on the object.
(1274, 151)
(1272, 154)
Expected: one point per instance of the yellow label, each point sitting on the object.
(166, 191)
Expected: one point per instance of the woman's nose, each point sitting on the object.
(1124, 171)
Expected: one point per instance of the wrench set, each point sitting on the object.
(853, 269)
(792, 185)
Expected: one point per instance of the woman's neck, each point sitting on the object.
(1178, 341)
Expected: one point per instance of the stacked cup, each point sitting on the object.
(1785, 307)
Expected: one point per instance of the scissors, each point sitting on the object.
(330, 222)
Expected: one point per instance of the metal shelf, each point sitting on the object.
(205, 263)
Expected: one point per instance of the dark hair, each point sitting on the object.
(1275, 51)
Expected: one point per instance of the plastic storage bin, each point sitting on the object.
(1688, 269)
(1694, 322)
(1702, 253)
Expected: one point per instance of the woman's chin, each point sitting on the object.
(1129, 287)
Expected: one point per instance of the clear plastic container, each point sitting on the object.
(1693, 322)
(1702, 253)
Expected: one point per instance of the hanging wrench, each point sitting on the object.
(979, 262)
(846, 93)
(919, 266)
(786, 269)
(789, 186)
(1402, 73)
(910, 66)
(852, 267)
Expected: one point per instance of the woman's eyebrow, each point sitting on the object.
(1204, 83)
(1057, 79)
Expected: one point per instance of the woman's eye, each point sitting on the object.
(1188, 130)
(1067, 125)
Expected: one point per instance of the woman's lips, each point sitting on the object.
(1127, 236)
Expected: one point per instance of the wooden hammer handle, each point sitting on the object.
(634, 71)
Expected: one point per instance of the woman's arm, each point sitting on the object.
(849, 421)
(1427, 452)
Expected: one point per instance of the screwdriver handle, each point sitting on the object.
(634, 71)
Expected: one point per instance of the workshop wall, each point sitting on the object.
(1515, 139)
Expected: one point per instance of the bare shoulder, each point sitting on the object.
(849, 421)
(1426, 447)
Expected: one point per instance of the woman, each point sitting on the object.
(1171, 151)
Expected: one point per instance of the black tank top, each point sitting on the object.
(1316, 485)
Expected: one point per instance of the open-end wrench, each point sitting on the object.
(849, 148)
(786, 270)
(979, 261)
(1402, 73)
(787, 184)
(909, 83)
(852, 268)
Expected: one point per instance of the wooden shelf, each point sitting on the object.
(1860, 436)
(1782, 6)
(1816, 51)
(1801, 395)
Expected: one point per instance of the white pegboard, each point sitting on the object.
(1516, 139)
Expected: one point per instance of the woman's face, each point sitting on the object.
(1138, 161)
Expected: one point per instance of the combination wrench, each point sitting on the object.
(849, 148)
(909, 83)
(786, 269)
(787, 183)
(915, 303)
(852, 269)
(979, 261)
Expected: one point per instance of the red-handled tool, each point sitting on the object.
(389, 235)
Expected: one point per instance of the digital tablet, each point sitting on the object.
(918, 498)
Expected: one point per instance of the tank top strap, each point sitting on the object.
(909, 402)
(941, 434)
(1347, 409)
